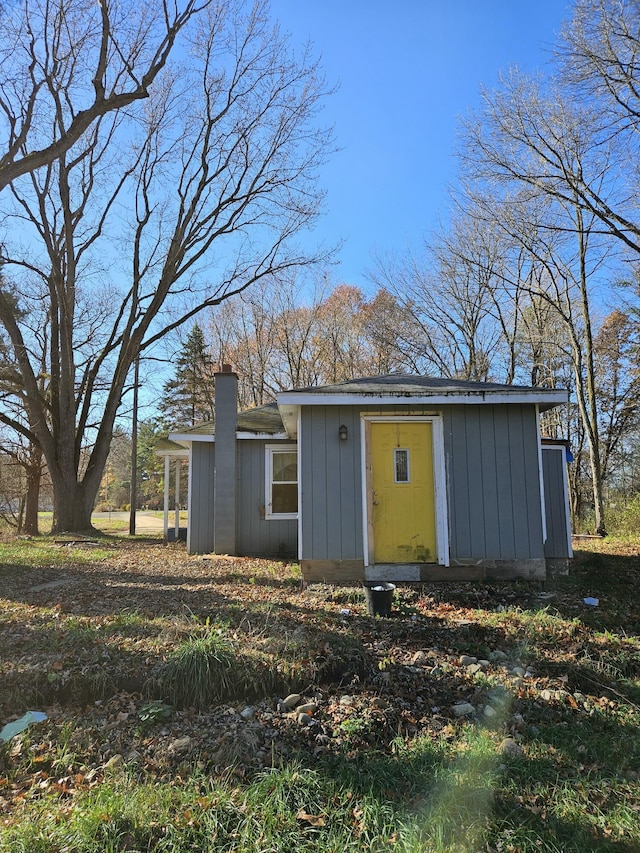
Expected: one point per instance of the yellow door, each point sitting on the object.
(404, 519)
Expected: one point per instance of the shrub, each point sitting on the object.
(624, 518)
(200, 672)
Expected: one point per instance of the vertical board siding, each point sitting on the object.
(461, 487)
(200, 525)
(521, 503)
(318, 484)
(490, 485)
(257, 536)
(493, 482)
(506, 533)
(331, 489)
(350, 486)
(477, 519)
(492, 473)
(558, 544)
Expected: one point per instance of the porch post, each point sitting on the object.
(177, 498)
(166, 496)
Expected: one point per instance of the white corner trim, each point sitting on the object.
(440, 485)
(543, 507)
(364, 489)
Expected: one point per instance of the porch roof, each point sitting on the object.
(262, 420)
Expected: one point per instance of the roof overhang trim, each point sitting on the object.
(187, 439)
(290, 402)
(172, 451)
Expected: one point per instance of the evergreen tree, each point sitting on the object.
(188, 397)
(150, 465)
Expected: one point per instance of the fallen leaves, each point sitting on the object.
(311, 820)
(92, 645)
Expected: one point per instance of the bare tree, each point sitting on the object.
(102, 57)
(201, 195)
(539, 161)
(617, 351)
(598, 54)
(279, 337)
(459, 321)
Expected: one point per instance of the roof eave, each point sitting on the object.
(545, 398)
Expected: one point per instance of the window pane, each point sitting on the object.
(284, 497)
(402, 465)
(285, 467)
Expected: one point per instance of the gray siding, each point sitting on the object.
(257, 536)
(493, 482)
(558, 544)
(330, 481)
(200, 530)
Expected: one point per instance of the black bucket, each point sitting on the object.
(379, 597)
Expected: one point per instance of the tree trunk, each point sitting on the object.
(34, 475)
(73, 504)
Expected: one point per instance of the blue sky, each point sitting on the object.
(406, 71)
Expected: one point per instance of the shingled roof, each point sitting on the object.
(410, 385)
(263, 420)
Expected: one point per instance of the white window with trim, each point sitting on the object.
(281, 481)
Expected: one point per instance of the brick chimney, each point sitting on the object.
(225, 476)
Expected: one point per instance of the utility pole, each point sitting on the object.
(133, 493)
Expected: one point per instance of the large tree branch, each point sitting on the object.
(13, 164)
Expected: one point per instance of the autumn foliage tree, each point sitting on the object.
(278, 337)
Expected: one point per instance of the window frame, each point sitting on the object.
(270, 451)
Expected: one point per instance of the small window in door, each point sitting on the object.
(401, 465)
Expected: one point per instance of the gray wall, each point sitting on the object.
(331, 491)
(493, 475)
(493, 481)
(558, 544)
(200, 529)
(257, 536)
(224, 486)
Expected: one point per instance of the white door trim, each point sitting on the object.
(439, 481)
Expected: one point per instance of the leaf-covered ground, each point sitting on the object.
(87, 635)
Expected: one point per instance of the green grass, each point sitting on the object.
(130, 659)
(42, 552)
(421, 798)
(424, 798)
(201, 671)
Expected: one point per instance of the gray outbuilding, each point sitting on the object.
(396, 478)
